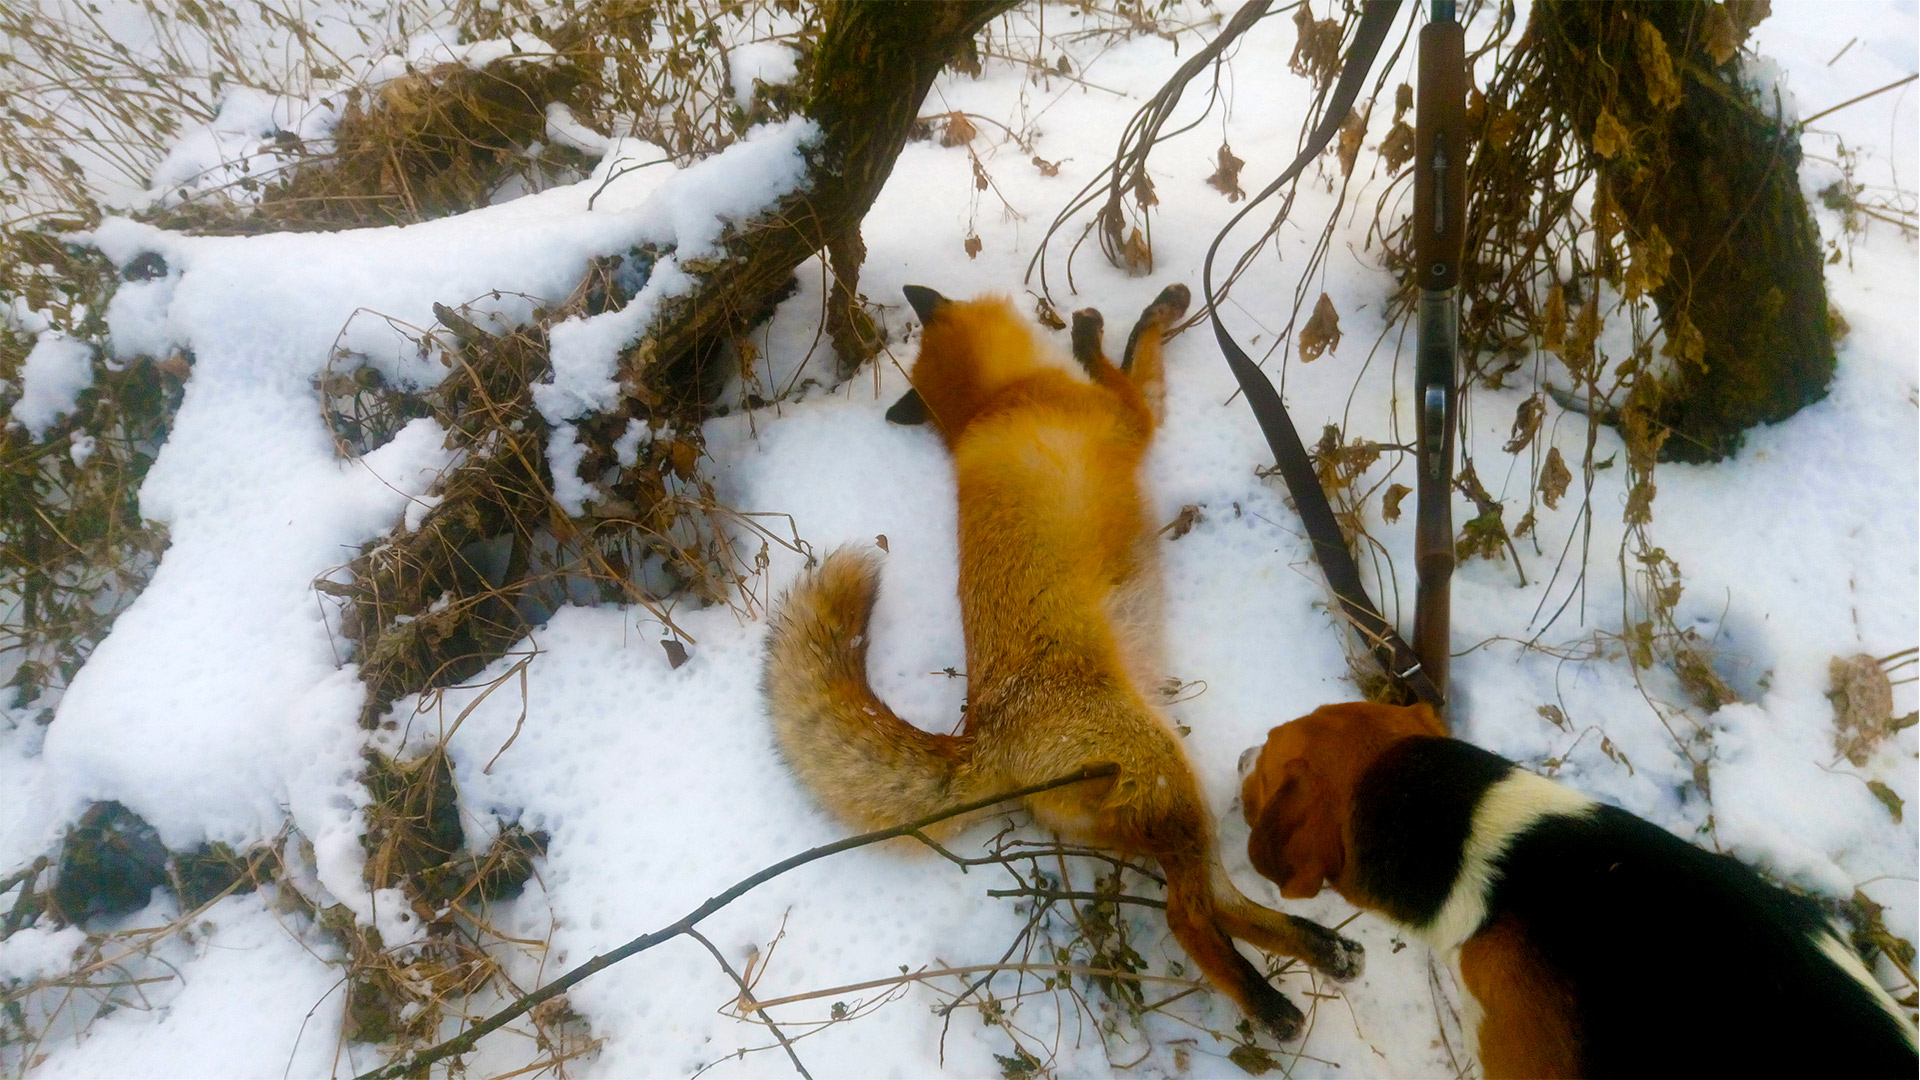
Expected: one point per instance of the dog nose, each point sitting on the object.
(1248, 759)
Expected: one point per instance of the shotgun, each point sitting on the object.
(1439, 235)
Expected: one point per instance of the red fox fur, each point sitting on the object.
(1059, 595)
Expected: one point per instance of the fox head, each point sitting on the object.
(969, 351)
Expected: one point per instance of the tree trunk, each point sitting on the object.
(1691, 159)
(872, 69)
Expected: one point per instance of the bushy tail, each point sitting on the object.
(861, 761)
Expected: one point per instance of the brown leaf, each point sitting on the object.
(1142, 188)
(1554, 478)
(973, 247)
(1684, 342)
(1390, 502)
(959, 130)
(1526, 423)
(676, 652)
(1553, 329)
(1722, 38)
(1190, 516)
(1226, 178)
(1353, 130)
(1137, 254)
(1253, 1059)
(1402, 101)
(881, 542)
(1656, 67)
(1748, 14)
(1397, 147)
(1609, 137)
(1316, 49)
(981, 181)
(1651, 257)
(1553, 715)
(1049, 318)
(1322, 331)
(1862, 697)
(1887, 798)
(1047, 168)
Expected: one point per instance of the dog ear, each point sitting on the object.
(911, 409)
(925, 302)
(1297, 840)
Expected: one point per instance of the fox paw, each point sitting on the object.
(1333, 955)
(1277, 1014)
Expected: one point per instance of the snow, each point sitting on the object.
(54, 373)
(769, 62)
(219, 708)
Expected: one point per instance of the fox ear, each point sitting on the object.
(926, 303)
(911, 409)
(1297, 840)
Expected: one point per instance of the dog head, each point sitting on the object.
(1298, 794)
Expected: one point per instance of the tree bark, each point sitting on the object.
(1689, 154)
(872, 69)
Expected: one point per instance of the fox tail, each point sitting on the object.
(858, 757)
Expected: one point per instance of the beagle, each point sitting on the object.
(1595, 943)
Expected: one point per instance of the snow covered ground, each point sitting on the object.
(218, 709)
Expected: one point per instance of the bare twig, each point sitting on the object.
(935, 973)
(746, 998)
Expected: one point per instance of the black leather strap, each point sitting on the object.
(1296, 468)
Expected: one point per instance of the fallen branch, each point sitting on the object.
(417, 1064)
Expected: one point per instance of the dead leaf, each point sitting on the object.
(1656, 67)
(1402, 101)
(1190, 516)
(1862, 697)
(1316, 48)
(1049, 318)
(1226, 177)
(1047, 168)
(1554, 478)
(1138, 255)
(959, 130)
(676, 652)
(1390, 502)
(1526, 423)
(1609, 137)
(1397, 147)
(1553, 328)
(1651, 257)
(1353, 130)
(881, 542)
(1142, 188)
(1322, 331)
(1253, 1059)
(1061, 65)
(1748, 14)
(1722, 39)
(981, 181)
(1887, 798)
(973, 246)
(1684, 342)
(1553, 715)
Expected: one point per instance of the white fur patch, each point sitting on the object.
(1506, 810)
(1837, 950)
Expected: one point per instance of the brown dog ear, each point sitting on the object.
(1297, 842)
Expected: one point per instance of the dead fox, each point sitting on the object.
(1060, 598)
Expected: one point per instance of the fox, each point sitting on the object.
(1060, 599)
